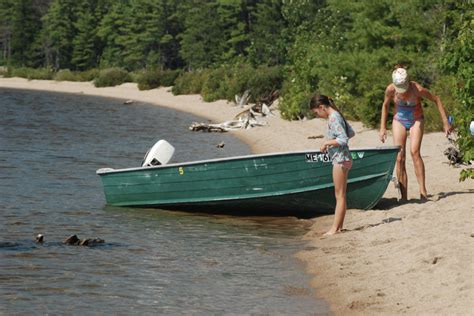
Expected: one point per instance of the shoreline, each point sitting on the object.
(421, 262)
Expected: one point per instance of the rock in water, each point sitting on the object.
(91, 242)
(39, 238)
(72, 240)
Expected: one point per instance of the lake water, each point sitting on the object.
(154, 261)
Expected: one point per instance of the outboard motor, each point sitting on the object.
(160, 154)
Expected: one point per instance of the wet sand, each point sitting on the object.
(413, 258)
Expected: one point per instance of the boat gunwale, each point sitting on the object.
(105, 171)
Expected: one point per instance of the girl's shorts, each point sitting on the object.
(345, 164)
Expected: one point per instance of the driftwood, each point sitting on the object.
(243, 99)
(243, 120)
(198, 127)
(226, 126)
(268, 99)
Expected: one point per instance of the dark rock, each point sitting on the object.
(72, 240)
(39, 238)
(91, 242)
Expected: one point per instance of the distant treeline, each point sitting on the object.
(345, 49)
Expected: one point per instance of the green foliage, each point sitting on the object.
(264, 81)
(111, 77)
(190, 82)
(168, 77)
(347, 50)
(30, 73)
(65, 75)
(215, 86)
(110, 31)
(68, 75)
(84, 54)
(226, 81)
(203, 40)
(459, 60)
(58, 33)
(25, 25)
(269, 34)
(150, 79)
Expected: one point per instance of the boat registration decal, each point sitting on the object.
(357, 155)
(317, 157)
(180, 171)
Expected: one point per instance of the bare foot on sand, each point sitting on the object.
(332, 232)
(423, 198)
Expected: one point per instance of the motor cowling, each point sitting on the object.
(160, 154)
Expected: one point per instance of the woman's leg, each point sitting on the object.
(400, 139)
(416, 136)
(339, 175)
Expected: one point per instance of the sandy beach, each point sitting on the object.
(412, 258)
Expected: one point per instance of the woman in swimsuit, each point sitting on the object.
(407, 95)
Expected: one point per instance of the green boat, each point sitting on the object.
(295, 183)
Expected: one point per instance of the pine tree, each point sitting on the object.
(203, 39)
(6, 29)
(236, 18)
(25, 25)
(172, 26)
(269, 34)
(112, 31)
(58, 33)
(142, 34)
(84, 55)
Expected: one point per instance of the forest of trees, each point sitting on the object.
(218, 48)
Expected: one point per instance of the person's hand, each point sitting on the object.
(324, 147)
(383, 135)
(447, 129)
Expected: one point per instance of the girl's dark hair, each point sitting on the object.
(319, 99)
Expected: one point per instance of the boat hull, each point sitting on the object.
(295, 182)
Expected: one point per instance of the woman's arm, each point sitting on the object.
(425, 93)
(384, 115)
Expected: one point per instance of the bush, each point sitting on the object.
(168, 77)
(111, 77)
(215, 86)
(239, 80)
(264, 81)
(3, 71)
(87, 75)
(30, 73)
(189, 82)
(148, 79)
(65, 75)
